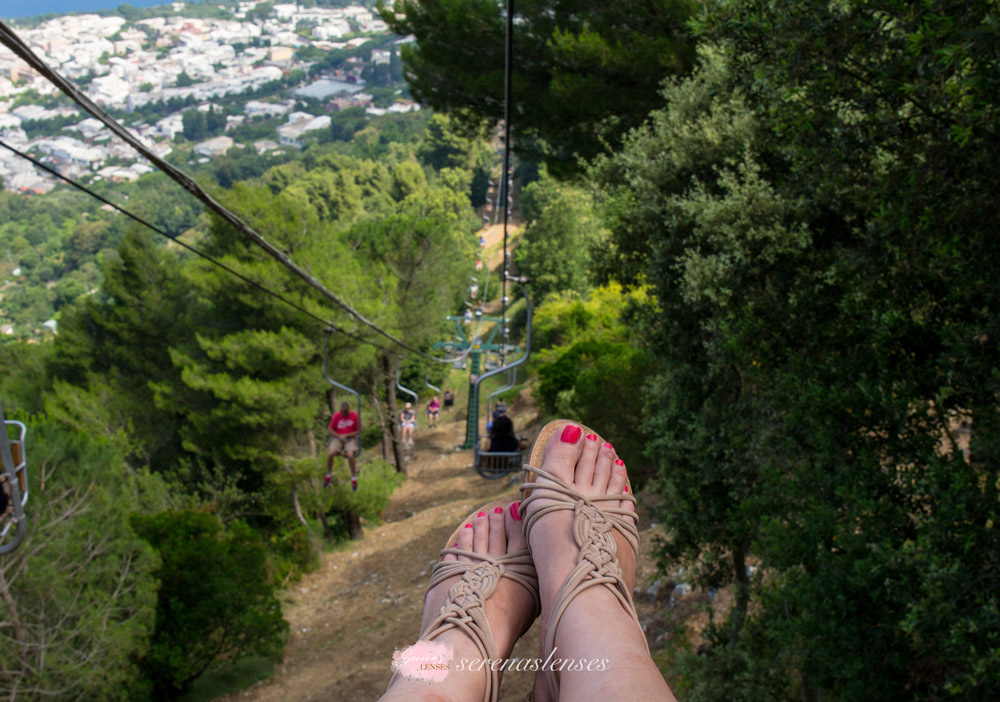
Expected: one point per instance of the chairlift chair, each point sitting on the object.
(496, 464)
(13, 483)
(338, 386)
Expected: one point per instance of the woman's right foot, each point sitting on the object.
(594, 470)
(595, 617)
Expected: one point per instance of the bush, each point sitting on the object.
(216, 598)
(81, 586)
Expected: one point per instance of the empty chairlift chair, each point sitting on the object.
(13, 485)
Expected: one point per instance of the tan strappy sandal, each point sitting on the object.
(599, 530)
(464, 608)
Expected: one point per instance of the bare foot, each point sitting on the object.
(510, 610)
(592, 468)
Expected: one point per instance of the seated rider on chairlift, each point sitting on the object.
(344, 429)
(408, 423)
(498, 409)
(433, 410)
(502, 439)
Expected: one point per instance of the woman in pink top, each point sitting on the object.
(433, 410)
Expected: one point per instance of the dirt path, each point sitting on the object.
(365, 600)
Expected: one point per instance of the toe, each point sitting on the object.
(563, 452)
(498, 533)
(515, 532)
(616, 483)
(465, 540)
(451, 556)
(602, 469)
(481, 533)
(584, 474)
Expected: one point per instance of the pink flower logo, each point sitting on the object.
(424, 660)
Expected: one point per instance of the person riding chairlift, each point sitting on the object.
(502, 438)
(344, 429)
(408, 423)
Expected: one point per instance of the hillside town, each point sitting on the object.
(184, 61)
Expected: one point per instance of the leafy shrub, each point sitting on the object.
(216, 598)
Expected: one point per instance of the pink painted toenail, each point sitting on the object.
(626, 488)
(468, 526)
(608, 446)
(498, 510)
(514, 511)
(619, 462)
(481, 514)
(570, 434)
(455, 545)
(592, 437)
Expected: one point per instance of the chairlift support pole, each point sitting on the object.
(406, 390)
(435, 388)
(511, 382)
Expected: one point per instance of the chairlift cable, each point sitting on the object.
(10, 39)
(508, 60)
(177, 241)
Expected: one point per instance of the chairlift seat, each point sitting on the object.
(7, 505)
(496, 464)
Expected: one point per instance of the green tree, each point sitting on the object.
(562, 227)
(78, 597)
(584, 72)
(23, 376)
(590, 361)
(195, 125)
(261, 12)
(446, 147)
(815, 285)
(215, 601)
(346, 123)
(111, 347)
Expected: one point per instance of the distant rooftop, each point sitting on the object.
(322, 89)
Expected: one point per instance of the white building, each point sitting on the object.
(214, 147)
(291, 133)
(331, 30)
(255, 108)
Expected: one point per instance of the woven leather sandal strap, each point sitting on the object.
(517, 565)
(597, 563)
(623, 520)
(465, 610)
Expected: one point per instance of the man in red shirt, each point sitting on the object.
(344, 429)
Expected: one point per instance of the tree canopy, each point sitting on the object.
(583, 72)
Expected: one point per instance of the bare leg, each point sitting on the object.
(594, 625)
(510, 610)
(329, 460)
